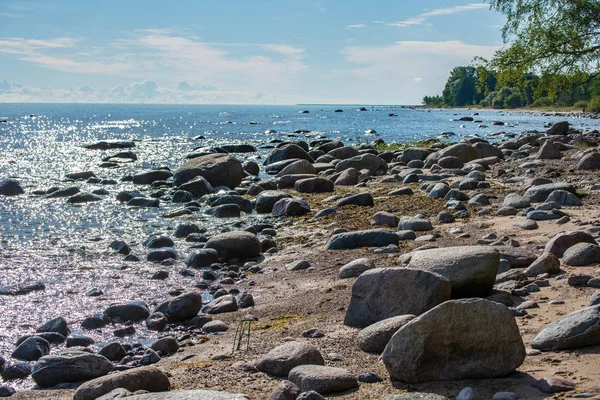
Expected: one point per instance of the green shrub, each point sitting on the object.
(514, 100)
(542, 102)
(594, 105)
(581, 104)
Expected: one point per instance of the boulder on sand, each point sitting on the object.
(322, 379)
(578, 329)
(150, 379)
(69, 366)
(357, 239)
(375, 337)
(382, 293)
(283, 358)
(470, 269)
(217, 169)
(459, 339)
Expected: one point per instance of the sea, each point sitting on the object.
(65, 246)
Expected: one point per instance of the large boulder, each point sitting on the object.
(539, 193)
(182, 307)
(198, 186)
(267, 199)
(237, 244)
(288, 152)
(31, 349)
(589, 162)
(69, 366)
(217, 169)
(375, 337)
(10, 187)
(382, 293)
(578, 329)
(298, 167)
(150, 379)
(486, 150)
(148, 177)
(283, 358)
(582, 254)
(548, 151)
(322, 379)
(371, 162)
(470, 269)
(562, 241)
(459, 339)
(560, 128)
(463, 151)
(357, 239)
(313, 185)
(134, 311)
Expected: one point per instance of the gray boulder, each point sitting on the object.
(382, 293)
(322, 379)
(374, 164)
(560, 128)
(285, 390)
(589, 162)
(515, 200)
(189, 395)
(222, 304)
(355, 268)
(416, 224)
(539, 193)
(217, 169)
(348, 177)
(564, 198)
(31, 349)
(375, 337)
(290, 207)
(384, 218)
(470, 269)
(578, 329)
(237, 244)
(459, 339)
(267, 199)
(73, 366)
(298, 167)
(548, 151)
(547, 263)
(357, 239)
(463, 151)
(283, 358)
(10, 187)
(182, 307)
(562, 241)
(313, 185)
(150, 379)
(288, 152)
(582, 254)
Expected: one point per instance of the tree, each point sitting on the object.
(549, 37)
(461, 88)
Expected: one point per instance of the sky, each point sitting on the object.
(238, 51)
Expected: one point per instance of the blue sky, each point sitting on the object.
(238, 51)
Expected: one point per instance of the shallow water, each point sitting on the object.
(66, 246)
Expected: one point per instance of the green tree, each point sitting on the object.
(549, 37)
(461, 89)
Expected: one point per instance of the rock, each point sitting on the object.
(582, 254)
(199, 186)
(224, 211)
(113, 351)
(202, 258)
(57, 325)
(252, 167)
(526, 224)
(383, 293)
(405, 191)
(322, 379)
(79, 341)
(348, 177)
(298, 167)
(215, 327)
(366, 238)
(298, 265)
(459, 339)
(149, 357)
(470, 269)
(150, 379)
(515, 200)
(355, 268)
(384, 218)
(288, 152)
(362, 199)
(143, 202)
(417, 396)
(313, 185)
(282, 359)
(562, 241)
(217, 169)
(439, 191)
(463, 151)
(548, 151)
(375, 337)
(221, 304)
(135, 311)
(148, 177)
(595, 300)
(310, 395)
(10, 187)
(554, 385)
(544, 215)
(560, 128)
(285, 390)
(182, 307)
(83, 198)
(236, 244)
(189, 395)
(564, 198)
(578, 329)
(290, 207)
(73, 366)
(162, 254)
(370, 162)
(15, 370)
(96, 321)
(31, 349)
(110, 145)
(539, 193)
(6, 391)
(547, 263)
(165, 346)
(517, 257)
(416, 224)
(589, 162)
(156, 321)
(267, 199)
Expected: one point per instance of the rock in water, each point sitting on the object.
(181, 308)
(238, 244)
(459, 339)
(217, 169)
(470, 269)
(10, 187)
(578, 329)
(69, 366)
(150, 379)
(282, 359)
(383, 293)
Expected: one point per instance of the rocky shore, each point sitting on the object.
(466, 271)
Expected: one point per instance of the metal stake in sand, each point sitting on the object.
(242, 333)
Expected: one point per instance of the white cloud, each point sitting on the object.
(418, 79)
(356, 26)
(423, 17)
(11, 15)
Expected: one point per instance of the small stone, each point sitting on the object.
(369, 378)
(554, 385)
(298, 265)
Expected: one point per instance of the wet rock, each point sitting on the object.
(150, 379)
(15, 370)
(470, 269)
(6, 391)
(96, 321)
(148, 177)
(559, 128)
(366, 238)
(31, 349)
(113, 351)
(283, 358)
(134, 311)
(79, 341)
(110, 145)
(156, 321)
(83, 198)
(198, 187)
(562, 241)
(224, 211)
(251, 167)
(267, 199)
(143, 202)
(120, 247)
(222, 304)
(181, 308)
(375, 337)
(237, 244)
(217, 169)
(245, 300)
(459, 339)
(69, 367)
(383, 293)
(322, 379)
(578, 329)
(202, 258)
(162, 254)
(57, 325)
(355, 268)
(582, 254)
(10, 187)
